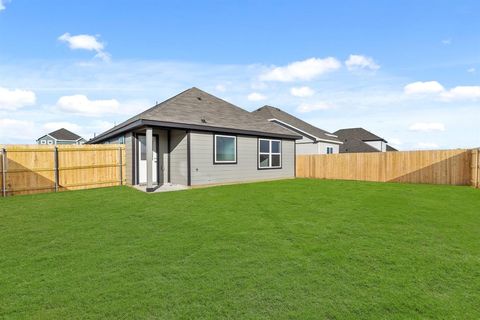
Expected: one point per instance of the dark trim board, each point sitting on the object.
(174, 125)
(189, 160)
(168, 154)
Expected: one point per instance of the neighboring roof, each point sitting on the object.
(358, 133)
(390, 148)
(272, 114)
(198, 110)
(354, 145)
(63, 134)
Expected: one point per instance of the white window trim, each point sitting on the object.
(215, 161)
(269, 154)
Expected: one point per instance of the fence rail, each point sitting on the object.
(452, 167)
(27, 169)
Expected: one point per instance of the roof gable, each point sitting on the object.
(198, 108)
(64, 134)
(269, 113)
(358, 133)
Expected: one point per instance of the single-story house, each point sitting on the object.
(61, 136)
(195, 138)
(361, 140)
(314, 140)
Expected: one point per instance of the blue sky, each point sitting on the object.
(408, 71)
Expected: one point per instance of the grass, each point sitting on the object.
(306, 249)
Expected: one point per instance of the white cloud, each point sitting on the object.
(394, 142)
(221, 88)
(3, 4)
(447, 42)
(15, 99)
(471, 70)
(52, 126)
(255, 96)
(427, 87)
(426, 145)
(85, 42)
(355, 62)
(309, 107)
(22, 130)
(302, 92)
(301, 70)
(82, 105)
(427, 126)
(462, 93)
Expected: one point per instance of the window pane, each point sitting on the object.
(143, 147)
(264, 146)
(275, 160)
(264, 163)
(276, 146)
(225, 148)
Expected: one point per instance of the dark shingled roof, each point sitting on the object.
(353, 140)
(64, 134)
(196, 109)
(268, 112)
(390, 148)
(358, 133)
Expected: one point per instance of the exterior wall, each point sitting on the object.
(379, 145)
(46, 139)
(129, 160)
(204, 171)
(307, 148)
(178, 157)
(322, 147)
(316, 148)
(49, 141)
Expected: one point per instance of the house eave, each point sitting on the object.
(317, 139)
(174, 125)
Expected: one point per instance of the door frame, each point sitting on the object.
(137, 160)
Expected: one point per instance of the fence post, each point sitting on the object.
(4, 172)
(121, 164)
(477, 170)
(56, 168)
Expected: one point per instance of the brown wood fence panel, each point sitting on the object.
(476, 168)
(37, 169)
(435, 167)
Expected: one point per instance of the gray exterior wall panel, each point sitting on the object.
(204, 171)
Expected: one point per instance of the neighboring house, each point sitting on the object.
(314, 140)
(195, 138)
(361, 140)
(61, 136)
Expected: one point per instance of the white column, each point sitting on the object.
(149, 143)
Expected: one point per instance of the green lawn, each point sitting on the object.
(304, 249)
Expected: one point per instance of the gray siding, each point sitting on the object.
(129, 147)
(178, 157)
(204, 171)
(46, 139)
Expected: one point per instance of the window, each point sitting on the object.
(329, 150)
(269, 154)
(43, 142)
(225, 149)
(50, 142)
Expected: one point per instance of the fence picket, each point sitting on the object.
(434, 167)
(32, 169)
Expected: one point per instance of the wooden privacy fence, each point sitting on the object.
(29, 169)
(476, 168)
(434, 167)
